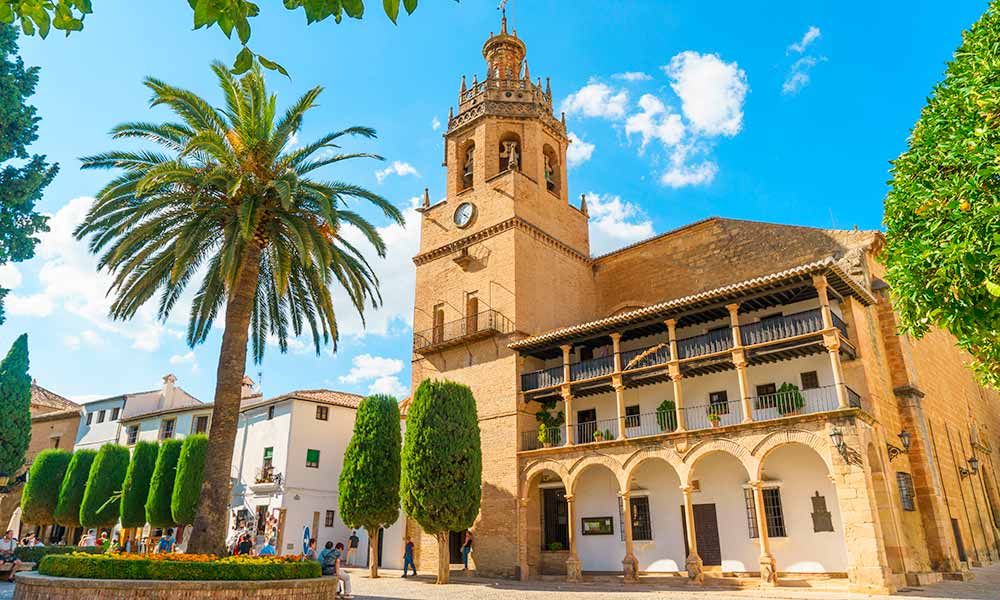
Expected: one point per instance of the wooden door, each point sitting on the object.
(471, 314)
(706, 533)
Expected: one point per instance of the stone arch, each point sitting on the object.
(535, 469)
(726, 446)
(466, 163)
(791, 436)
(594, 460)
(552, 169)
(637, 458)
(508, 160)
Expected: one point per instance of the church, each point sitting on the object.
(729, 399)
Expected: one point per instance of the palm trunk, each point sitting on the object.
(444, 558)
(210, 525)
(373, 541)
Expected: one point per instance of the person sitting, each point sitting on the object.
(7, 546)
(267, 549)
(310, 553)
(342, 575)
(328, 560)
(167, 542)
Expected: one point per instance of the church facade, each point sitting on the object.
(728, 398)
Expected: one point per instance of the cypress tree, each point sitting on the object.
(41, 493)
(441, 483)
(187, 484)
(73, 485)
(369, 482)
(15, 400)
(135, 490)
(101, 499)
(161, 486)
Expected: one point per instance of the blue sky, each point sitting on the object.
(777, 111)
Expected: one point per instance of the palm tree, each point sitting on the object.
(227, 201)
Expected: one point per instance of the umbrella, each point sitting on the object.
(15, 521)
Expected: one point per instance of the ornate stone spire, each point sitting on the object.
(462, 91)
(504, 54)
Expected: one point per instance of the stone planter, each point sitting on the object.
(32, 586)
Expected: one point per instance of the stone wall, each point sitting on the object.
(32, 586)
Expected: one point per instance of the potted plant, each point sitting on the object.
(666, 415)
(598, 436)
(549, 425)
(713, 417)
(555, 546)
(790, 399)
(608, 435)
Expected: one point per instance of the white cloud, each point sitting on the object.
(579, 151)
(389, 385)
(396, 168)
(10, 277)
(711, 90)
(655, 122)
(615, 223)
(435, 123)
(596, 100)
(632, 76)
(33, 305)
(810, 36)
(186, 359)
(366, 367)
(682, 172)
(799, 75)
(87, 337)
(293, 141)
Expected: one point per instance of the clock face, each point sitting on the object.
(464, 214)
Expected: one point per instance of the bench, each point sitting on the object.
(6, 567)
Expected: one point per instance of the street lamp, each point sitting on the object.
(894, 451)
(837, 437)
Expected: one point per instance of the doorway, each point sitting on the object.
(706, 534)
(586, 425)
(555, 518)
(455, 539)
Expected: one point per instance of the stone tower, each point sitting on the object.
(504, 255)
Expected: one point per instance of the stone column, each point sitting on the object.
(674, 368)
(568, 412)
(522, 538)
(630, 566)
(695, 570)
(616, 382)
(574, 568)
(768, 568)
(831, 340)
(740, 362)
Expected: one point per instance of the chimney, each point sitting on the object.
(168, 393)
(247, 389)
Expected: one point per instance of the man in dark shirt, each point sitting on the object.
(352, 547)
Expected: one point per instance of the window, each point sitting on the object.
(437, 335)
(312, 459)
(810, 380)
(773, 514)
(200, 424)
(270, 412)
(718, 403)
(131, 434)
(114, 413)
(268, 457)
(167, 429)
(906, 493)
(90, 418)
(471, 313)
(632, 418)
(642, 528)
(767, 395)
(322, 413)
(100, 416)
(55, 441)
(329, 518)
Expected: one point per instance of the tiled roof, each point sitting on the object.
(331, 397)
(41, 397)
(145, 403)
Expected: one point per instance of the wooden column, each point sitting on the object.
(768, 570)
(674, 368)
(574, 568)
(567, 395)
(831, 339)
(695, 570)
(630, 565)
(740, 362)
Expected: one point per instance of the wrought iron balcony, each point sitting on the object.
(707, 343)
(542, 379)
(471, 327)
(595, 367)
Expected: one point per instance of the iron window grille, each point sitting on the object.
(642, 525)
(322, 413)
(906, 492)
(774, 516)
(329, 518)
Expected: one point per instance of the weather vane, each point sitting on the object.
(503, 7)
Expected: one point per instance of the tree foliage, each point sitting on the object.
(73, 485)
(21, 182)
(15, 399)
(135, 490)
(187, 485)
(368, 491)
(442, 462)
(161, 486)
(41, 492)
(942, 214)
(101, 499)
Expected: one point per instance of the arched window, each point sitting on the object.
(553, 182)
(510, 152)
(467, 161)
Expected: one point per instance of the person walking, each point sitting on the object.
(352, 547)
(408, 557)
(7, 546)
(466, 548)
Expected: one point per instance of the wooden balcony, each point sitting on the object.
(473, 327)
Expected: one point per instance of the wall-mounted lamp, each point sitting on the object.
(973, 468)
(894, 451)
(837, 437)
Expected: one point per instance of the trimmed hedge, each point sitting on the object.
(73, 485)
(135, 490)
(117, 568)
(161, 487)
(35, 554)
(41, 493)
(101, 499)
(187, 484)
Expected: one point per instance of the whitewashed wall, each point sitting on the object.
(149, 429)
(96, 434)
(596, 495)
(665, 553)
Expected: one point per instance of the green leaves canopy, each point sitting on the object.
(74, 484)
(161, 487)
(369, 482)
(41, 493)
(942, 214)
(100, 505)
(135, 490)
(442, 463)
(15, 418)
(187, 485)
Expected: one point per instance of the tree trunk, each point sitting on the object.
(208, 535)
(444, 558)
(373, 541)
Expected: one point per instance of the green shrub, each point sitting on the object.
(109, 567)
(100, 505)
(666, 415)
(161, 486)
(35, 554)
(73, 485)
(187, 483)
(135, 490)
(41, 493)
(790, 399)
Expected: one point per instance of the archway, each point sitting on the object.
(657, 528)
(722, 522)
(880, 485)
(805, 529)
(467, 162)
(552, 171)
(599, 544)
(510, 152)
(547, 523)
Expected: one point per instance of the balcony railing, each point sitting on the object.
(777, 328)
(658, 357)
(707, 343)
(542, 379)
(587, 431)
(487, 321)
(266, 476)
(797, 402)
(547, 438)
(595, 367)
(715, 414)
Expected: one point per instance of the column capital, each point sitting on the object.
(523, 502)
(676, 376)
(625, 495)
(819, 281)
(615, 335)
(733, 308)
(670, 323)
(566, 393)
(687, 489)
(757, 485)
(566, 348)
